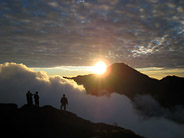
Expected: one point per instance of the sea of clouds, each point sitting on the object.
(17, 79)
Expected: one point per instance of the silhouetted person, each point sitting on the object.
(36, 99)
(29, 99)
(64, 102)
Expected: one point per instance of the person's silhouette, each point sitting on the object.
(36, 99)
(29, 99)
(64, 102)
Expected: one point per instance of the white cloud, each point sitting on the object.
(17, 79)
(53, 4)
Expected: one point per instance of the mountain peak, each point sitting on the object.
(124, 70)
(121, 78)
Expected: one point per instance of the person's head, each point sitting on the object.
(36, 92)
(63, 95)
(28, 92)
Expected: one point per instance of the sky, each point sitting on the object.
(52, 33)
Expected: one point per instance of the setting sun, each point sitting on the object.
(99, 67)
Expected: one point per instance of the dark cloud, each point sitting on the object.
(149, 107)
(17, 79)
(51, 33)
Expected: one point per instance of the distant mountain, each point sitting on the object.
(49, 122)
(122, 79)
(171, 92)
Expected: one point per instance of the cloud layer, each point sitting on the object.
(17, 79)
(141, 33)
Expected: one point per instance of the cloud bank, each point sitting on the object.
(148, 107)
(17, 79)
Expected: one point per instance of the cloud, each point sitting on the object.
(132, 32)
(160, 73)
(17, 79)
(149, 107)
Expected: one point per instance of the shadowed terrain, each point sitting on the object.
(47, 121)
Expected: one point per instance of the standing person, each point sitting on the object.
(36, 99)
(29, 99)
(64, 102)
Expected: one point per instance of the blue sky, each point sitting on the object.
(50, 33)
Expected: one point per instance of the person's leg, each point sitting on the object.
(61, 107)
(64, 107)
(37, 104)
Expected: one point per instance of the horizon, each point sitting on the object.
(73, 71)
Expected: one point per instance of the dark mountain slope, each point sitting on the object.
(171, 91)
(122, 79)
(119, 78)
(49, 122)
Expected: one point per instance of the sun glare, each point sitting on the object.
(99, 67)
